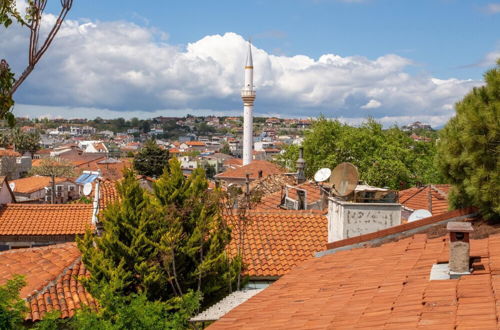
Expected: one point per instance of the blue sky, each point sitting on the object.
(394, 60)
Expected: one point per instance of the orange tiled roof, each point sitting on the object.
(418, 198)
(9, 153)
(273, 201)
(45, 219)
(34, 183)
(253, 168)
(275, 242)
(51, 275)
(385, 287)
(108, 193)
(195, 143)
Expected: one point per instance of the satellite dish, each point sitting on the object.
(322, 174)
(418, 215)
(344, 179)
(12, 185)
(87, 188)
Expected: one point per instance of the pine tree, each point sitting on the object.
(469, 148)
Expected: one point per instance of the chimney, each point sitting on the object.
(459, 248)
(260, 174)
(301, 164)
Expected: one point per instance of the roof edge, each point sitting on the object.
(399, 231)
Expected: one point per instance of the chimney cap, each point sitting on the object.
(461, 227)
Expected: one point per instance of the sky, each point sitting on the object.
(396, 61)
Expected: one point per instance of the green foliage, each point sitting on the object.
(163, 244)
(7, 80)
(151, 160)
(12, 307)
(125, 257)
(225, 149)
(197, 234)
(384, 157)
(23, 142)
(289, 157)
(133, 312)
(469, 148)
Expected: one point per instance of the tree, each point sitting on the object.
(12, 307)
(384, 157)
(469, 148)
(53, 168)
(197, 234)
(22, 142)
(225, 149)
(164, 244)
(39, 43)
(151, 159)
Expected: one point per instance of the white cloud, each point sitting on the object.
(372, 104)
(123, 67)
(492, 8)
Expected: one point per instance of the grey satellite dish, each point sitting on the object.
(12, 185)
(344, 179)
(418, 215)
(87, 188)
(322, 174)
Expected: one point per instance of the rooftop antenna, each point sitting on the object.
(419, 214)
(322, 174)
(87, 188)
(344, 179)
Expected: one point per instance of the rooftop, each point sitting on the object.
(384, 287)
(253, 169)
(418, 198)
(34, 183)
(44, 219)
(275, 242)
(51, 275)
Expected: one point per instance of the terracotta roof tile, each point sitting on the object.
(108, 193)
(45, 219)
(275, 242)
(9, 153)
(253, 169)
(34, 183)
(418, 198)
(195, 143)
(273, 201)
(51, 274)
(385, 287)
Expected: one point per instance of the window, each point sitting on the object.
(59, 188)
(71, 188)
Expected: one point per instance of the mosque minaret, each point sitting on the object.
(248, 97)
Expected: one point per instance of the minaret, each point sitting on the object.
(248, 97)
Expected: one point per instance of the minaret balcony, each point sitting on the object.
(247, 93)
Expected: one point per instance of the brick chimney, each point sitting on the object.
(459, 247)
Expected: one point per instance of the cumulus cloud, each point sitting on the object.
(121, 66)
(372, 104)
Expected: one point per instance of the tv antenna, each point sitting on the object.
(344, 179)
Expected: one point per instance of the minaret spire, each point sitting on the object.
(248, 97)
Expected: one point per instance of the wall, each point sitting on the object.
(5, 196)
(347, 219)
